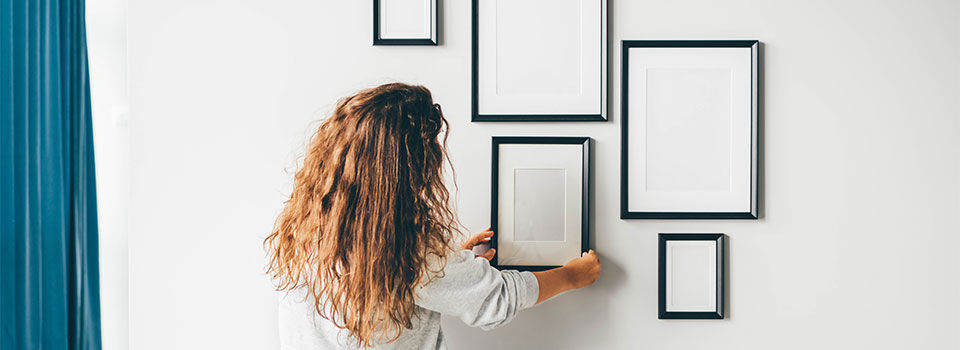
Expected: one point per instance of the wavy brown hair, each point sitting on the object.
(369, 216)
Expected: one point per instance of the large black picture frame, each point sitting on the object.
(476, 116)
(494, 191)
(720, 240)
(753, 212)
(434, 41)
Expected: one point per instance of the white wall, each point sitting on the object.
(106, 22)
(856, 248)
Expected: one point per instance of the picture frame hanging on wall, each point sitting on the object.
(691, 275)
(540, 204)
(541, 60)
(689, 132)
(405, 22)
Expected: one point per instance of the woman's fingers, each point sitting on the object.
(477, 239)
(480, 238)
(591, 254)
(584, 270)
(489, 254)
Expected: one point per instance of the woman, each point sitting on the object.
(363, 245)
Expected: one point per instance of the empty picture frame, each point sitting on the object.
(691, 276)
(539, 201)
(539, 60)
(405, 22)
(689, 138)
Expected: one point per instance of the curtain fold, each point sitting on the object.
(49, 272)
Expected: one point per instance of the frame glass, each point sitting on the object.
(690, 130)
(541, 60)
(405, 22)
(691, 275)
(539, 209)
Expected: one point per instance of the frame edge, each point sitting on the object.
(662, 312)
(434, 40)
(602, 116)
(496, 141)
(753, 209)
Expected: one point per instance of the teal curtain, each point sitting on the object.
(50, 296)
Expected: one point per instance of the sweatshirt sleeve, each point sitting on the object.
(477, 293)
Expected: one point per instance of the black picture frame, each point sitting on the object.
(475, 115)
(494, 190)
(754, 46)
(377, 40)
(720, 239)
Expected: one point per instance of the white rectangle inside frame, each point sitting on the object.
(539, 219)
(690, 134)
(691, 276)
(540, 60)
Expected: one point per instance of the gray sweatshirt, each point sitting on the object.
(469, 289)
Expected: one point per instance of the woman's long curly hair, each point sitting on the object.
(369, 216)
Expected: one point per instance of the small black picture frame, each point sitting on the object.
(584, 212)
(433, 40)
(720, 274)
(749, 183)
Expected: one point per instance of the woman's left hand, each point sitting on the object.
(478, 239)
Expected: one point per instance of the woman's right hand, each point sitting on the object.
(577, 273)
(583, 271)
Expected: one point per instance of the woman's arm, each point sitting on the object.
(476, 293)
(482, 296)
(577, 273)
